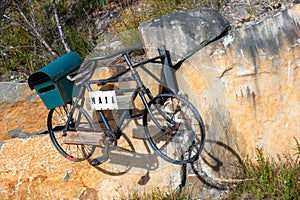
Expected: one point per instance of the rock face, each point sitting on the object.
(183, 32)
(251, 85)
(32, 169)
(245, 84)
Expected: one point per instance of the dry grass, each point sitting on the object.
(272, 178)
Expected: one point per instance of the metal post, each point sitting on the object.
(168, 70)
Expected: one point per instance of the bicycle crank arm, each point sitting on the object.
(105, 156)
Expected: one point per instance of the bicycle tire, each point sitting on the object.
(57, 121)
(183, 145)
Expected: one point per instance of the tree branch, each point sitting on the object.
(61, 32)
(34, 32)
(33, 14)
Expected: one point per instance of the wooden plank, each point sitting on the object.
(124, 102)
(84, 138)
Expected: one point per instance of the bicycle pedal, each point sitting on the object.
(102, 159)
(99, 160)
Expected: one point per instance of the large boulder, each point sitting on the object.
(246, 85)
(183, 32)
(33, 169)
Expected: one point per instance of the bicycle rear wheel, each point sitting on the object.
(57, 123)
(183, 138)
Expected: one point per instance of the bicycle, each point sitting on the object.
(172, 125)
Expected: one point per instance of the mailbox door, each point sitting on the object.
(50, 94)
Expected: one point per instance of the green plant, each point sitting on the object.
(78, 41)
(158, 194)
(297, 148)
(90, 5)
(22, 53)
(270, 178)
(131, 17)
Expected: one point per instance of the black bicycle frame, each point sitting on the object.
(140, 90)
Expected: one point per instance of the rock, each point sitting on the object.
(32, 168)
(246, 86)
(40, 172)
(17, 133)
(2, 143)
(183, 32)
(12, 92)
(21, 109)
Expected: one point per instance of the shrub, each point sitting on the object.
(271, 178)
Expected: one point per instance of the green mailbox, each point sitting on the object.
(50, 82)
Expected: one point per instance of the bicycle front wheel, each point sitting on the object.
(57, 123)
(181, 138)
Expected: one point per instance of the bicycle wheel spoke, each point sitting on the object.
(58, 131)
(183, 138)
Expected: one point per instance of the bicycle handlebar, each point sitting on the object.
(89, 64)
(121, 52)
(116, 78)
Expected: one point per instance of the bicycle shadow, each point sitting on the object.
(218, 166)
(132, 155)
(125, 157)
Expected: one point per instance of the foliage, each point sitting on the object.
(157, 194)
(131, 17)
(270, 178)
(265, 178)
(21, 51)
